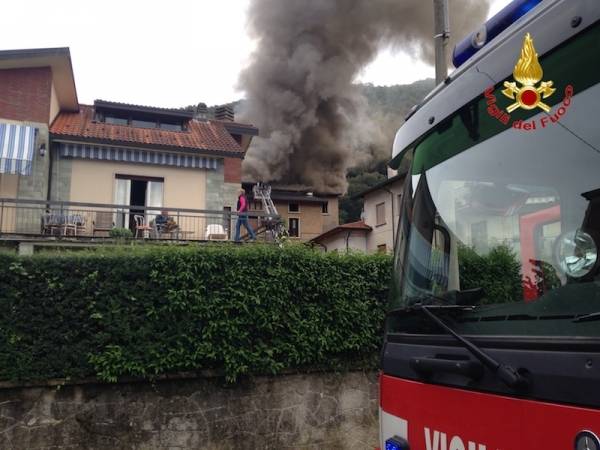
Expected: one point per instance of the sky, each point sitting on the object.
(158, 53)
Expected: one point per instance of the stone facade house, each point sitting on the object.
(305, 214)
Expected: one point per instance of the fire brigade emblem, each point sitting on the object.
(528, 72)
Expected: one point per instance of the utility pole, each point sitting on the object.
(442, 33)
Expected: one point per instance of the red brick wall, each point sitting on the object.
(25, 94)
(233, 170)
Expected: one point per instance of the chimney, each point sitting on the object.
(201, 111)
(224, 113)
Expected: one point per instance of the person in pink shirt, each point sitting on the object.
(242, 209)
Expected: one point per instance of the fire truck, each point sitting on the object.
(492, 338)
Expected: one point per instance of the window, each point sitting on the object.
(114, 120)
(479, 236)
(380, 214)
(171, 126)
(382, 248)
(133, 191)
(293, 207)
(294, 227)
(325, 208)
(143, 123)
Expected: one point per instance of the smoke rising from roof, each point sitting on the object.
(313, 122)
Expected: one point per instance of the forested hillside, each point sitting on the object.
(390, 105)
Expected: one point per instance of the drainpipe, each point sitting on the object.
(348, 241)
(50, 155)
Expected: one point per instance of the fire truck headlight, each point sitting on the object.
(396, 443)
(577, 253)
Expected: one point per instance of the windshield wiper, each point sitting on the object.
(591, 317)
(507, 374)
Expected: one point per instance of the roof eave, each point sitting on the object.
(59, 137)
(59, 61)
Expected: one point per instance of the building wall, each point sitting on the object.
(9, 184)
(356, 241)
(332, 218)
(383, 234)
(94, 182)
(25, 94)
(311, 218)
(54, 105)
(233, 170)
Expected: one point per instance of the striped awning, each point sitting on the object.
(85, 151)
(17, 144)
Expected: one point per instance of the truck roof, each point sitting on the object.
(550, 23)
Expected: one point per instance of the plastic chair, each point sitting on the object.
(215, 232)
(141, 226)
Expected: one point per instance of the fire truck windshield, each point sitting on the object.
(515, 213)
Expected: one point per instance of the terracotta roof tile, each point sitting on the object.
(201, 136)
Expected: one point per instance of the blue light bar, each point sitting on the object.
(492, 28)
(396, 443)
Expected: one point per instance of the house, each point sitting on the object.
(306, 214)
(376, 232)
(345, 237)
(109, 158)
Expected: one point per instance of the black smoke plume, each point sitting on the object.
(313, 122)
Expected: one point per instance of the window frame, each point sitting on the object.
(377, 222)
(297, 219)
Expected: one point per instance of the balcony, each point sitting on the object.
(43, 222)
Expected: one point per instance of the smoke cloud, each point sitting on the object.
(314, 124)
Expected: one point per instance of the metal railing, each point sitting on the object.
(21, 217)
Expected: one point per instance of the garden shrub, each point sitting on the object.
(498, 273)
(147, 311)
(120, 233)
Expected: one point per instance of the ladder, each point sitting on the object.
(271, 222)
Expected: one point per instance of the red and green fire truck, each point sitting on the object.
(493, 331)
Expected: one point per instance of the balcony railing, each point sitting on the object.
(76, 220)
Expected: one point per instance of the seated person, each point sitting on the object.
(165, 223)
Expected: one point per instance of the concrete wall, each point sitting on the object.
(383, 234)
(312, 411)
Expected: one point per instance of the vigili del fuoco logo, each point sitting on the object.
(526, 93)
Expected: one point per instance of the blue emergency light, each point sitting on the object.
(396, 443)
(492, 28)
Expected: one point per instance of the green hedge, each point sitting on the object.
(144, 312)
(498, 273)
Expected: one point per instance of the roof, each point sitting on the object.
(381, 185)
(294, 192)
(353, 226)
(207, 136)
(239, 128)
(128, 107)
(58, 59)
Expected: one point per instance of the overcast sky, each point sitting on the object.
(160, 53)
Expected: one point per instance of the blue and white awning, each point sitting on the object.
(85, 151)
(17, 144)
